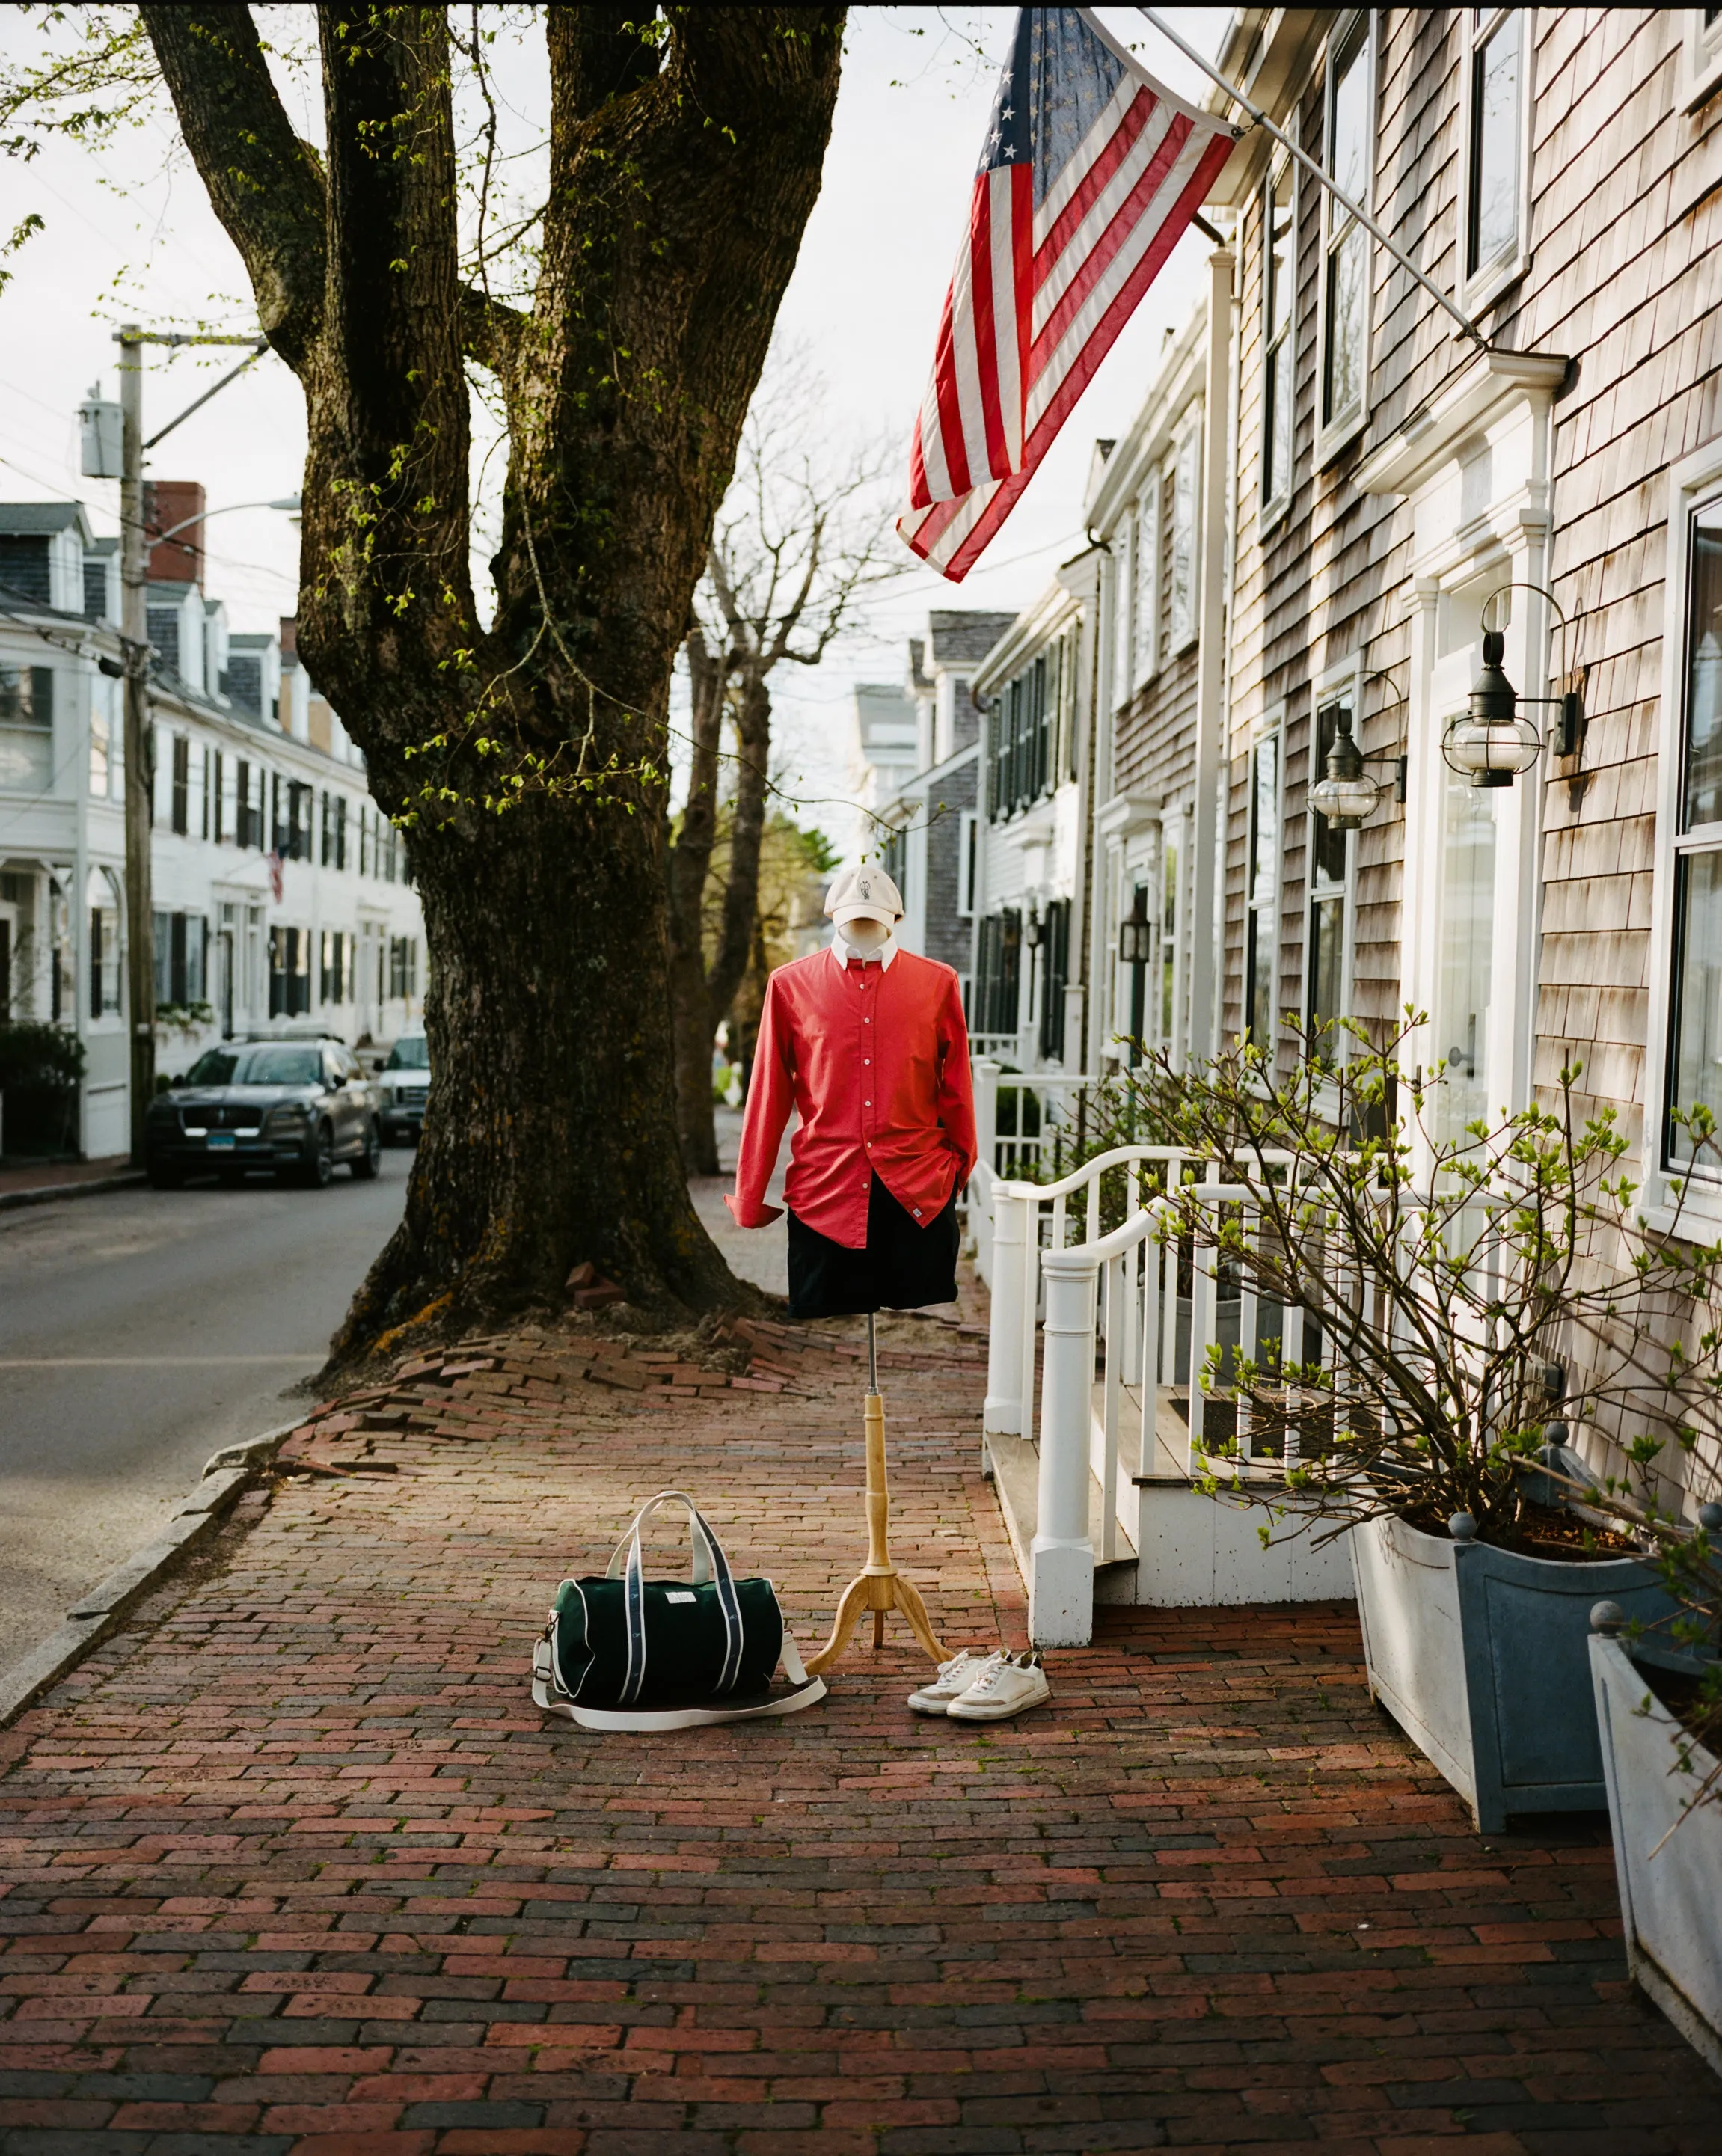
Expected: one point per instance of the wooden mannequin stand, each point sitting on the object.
(880, 1587)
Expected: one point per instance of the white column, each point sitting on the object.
(1003, 1411)
(1061, 1566)
(1205, 894)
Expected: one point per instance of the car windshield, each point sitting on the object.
(410, 1054)
(274, 1066)
(214, 1067)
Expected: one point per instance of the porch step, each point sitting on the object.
(1016, 1472)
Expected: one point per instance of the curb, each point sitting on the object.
(94, 1615)
(47, 1194)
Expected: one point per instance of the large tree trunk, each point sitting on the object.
(689, 865)
(747, 826)
(680, 184)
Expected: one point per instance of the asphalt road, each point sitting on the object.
(140, 1330)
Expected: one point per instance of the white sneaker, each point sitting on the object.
(953, 1681)
(1008, 1685)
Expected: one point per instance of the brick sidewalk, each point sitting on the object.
(292, 1865)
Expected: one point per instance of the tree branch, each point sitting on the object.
(265, 185)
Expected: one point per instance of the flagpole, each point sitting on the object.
(1316, 173)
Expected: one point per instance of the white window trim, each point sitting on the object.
(1700, 59)
(1345, 678)
(1693, 483)
(1333, 435)
(1272, 509)
(1270, 727)
(1124, 646)
(1480, 287)
(1145, 522)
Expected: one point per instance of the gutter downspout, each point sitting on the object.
(1203, 1037)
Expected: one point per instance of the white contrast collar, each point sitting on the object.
(885, 956)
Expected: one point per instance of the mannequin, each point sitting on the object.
(867, 1041)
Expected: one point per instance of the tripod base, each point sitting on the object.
(880, 1587)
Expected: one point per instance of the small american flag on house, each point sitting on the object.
(1090, 172)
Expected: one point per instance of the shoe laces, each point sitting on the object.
(996, 1667)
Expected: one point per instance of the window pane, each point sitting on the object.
(1695, 1075)
(1327, 953)
(1181, 603)
(1259, 1009)
(26, 730)
(1704, 672)
(1347, 266)
(1279, 254)
(1145, 559)
(1348, 155)
(1168, 942)
(1130, 530)
(1277, 471)
(1265, 821)
(1467, 939)
(1494, 144)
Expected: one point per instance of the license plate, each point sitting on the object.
(222, 1142)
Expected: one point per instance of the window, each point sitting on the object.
(364, 840)
(1695, 1075)
(1278, 284)
(1345, 157)
(289, 972)
(1700, 56)
(967, 860)
(1325, 952)
(1493, 156)
(26, 729)
(403, 966)
(248, 803)
(336, 969)
(220, 823)
(1262, 896)
(198, 795)
(181, 959)
(998, 972)
(1146, 553)
(1167, 985)
(179, 818)
(1055, 977)
(1021, 763)
(1127, 546)
(104, 948)
(894, 856)
(1181, 544)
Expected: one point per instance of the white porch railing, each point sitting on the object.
(1158, 1304)
(1038, 1117)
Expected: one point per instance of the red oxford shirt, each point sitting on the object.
(875, 1059)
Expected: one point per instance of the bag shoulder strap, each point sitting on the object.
(709, 1562)
(547, 1694)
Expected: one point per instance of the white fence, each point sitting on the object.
(1023, 1121)
(1111, 1468)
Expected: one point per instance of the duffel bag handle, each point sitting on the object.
(708, 1551)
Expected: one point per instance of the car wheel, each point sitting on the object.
(366, 1166)
(163, 1176)
(318, 1172)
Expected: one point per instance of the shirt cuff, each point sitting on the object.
(751, 1216)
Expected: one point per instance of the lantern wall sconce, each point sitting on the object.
(1347, 796)
(1033, 930)
(1491, 744)
(1134, 932)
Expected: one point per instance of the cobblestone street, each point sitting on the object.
(292, 1865)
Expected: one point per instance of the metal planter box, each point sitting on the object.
(1480, 1655)
(1668, 1894)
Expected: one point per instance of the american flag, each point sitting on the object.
(1088, 175)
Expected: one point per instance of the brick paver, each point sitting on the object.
(294, 1865)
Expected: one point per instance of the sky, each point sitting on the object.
(130, 236)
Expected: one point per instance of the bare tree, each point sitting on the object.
(800, 541)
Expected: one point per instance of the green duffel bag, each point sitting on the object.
(625, 1652)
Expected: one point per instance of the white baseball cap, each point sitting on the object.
(864, 894)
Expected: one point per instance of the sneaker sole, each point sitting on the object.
(958, 1712)
(930, 1706)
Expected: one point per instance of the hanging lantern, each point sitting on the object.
(1133, 931)
(1347, 795)
(1491, 744)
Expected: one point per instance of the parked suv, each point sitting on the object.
(297, 1106)
(404, 1084)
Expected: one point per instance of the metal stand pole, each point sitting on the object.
(880, 1586)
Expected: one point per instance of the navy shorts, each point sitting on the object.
(904, 1267)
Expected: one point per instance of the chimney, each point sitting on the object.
(290, 637)
(168, 502)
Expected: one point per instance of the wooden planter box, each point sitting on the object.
(1480, 1655)
(1668, 1888)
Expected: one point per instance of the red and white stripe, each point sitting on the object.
(1036, 302)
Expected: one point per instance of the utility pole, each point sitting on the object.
(140, 774)
(140, 758)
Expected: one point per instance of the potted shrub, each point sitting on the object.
(1465, 1296)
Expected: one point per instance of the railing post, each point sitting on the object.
(1003, 1410)
(985, 1078)
(1061, 1581)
